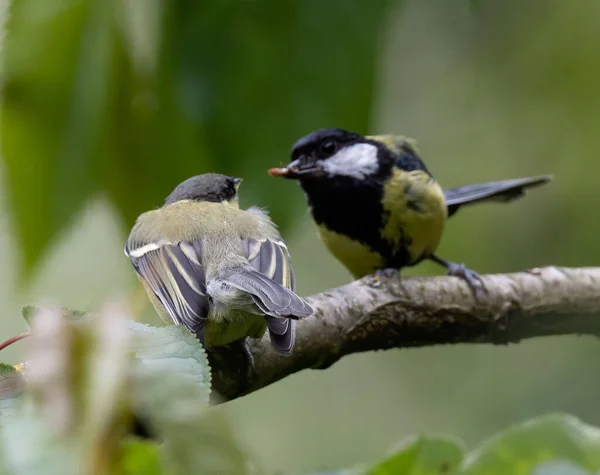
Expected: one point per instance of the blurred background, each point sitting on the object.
(108, 104)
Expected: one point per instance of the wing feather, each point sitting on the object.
(271, 258)
(177, 278)
(272, 289)
(502, 191)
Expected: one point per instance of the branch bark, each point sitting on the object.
(398, 312)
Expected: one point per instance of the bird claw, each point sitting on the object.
(387, 273)
(383, 274)
(472, 278)
(250, 366)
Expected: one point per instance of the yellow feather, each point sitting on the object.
(417, 210)
(396, 143)
(357, 258)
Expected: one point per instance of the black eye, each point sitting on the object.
(328, 148)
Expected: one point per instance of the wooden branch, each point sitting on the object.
(399, 312)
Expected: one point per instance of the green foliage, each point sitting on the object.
(83, 390)
(29, 311)
(11, 388)
(136, 97)
(140, 458)
(99, 96)
(552, 445)
(559, 468)
(528, 445)
(81, 384)
(422, 456)
(172, 350)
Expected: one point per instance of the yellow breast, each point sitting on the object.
(417, 212)
(358, 259)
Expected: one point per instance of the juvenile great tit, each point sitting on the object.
(377, 206)
(223, 272)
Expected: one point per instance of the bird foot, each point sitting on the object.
(385, 274)
(389, 272)
(472, 278)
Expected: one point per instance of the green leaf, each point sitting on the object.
(415, 456)
(549, 438)
(12, 385)
(28, 312)
(30, 447)
(194, 440)
(559, 468)
(337, 472)
(140, 458)
(173, 350)
(422, 456)
(54, 111)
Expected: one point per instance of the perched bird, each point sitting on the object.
(377, 206)
(223, 272)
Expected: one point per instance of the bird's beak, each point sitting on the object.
(297, 169)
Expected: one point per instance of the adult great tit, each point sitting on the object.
(223, 272)
(377, 206)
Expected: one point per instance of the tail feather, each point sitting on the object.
(272, 298)
(502, 191)
(282, 332)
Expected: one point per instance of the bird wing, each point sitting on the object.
(271, 258)
(405, 149)
(272, 285)
(502, 191)
(175, 274)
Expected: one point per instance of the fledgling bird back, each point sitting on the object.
(223, 272)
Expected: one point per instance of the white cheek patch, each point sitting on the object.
(356, 161)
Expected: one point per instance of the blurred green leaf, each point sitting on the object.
(29, 446)
(337, 472)
(559, 468)
(415, 456)
(259, 75)
(54, 112)
(422, 456)
(29, 311)
(77, 407)
(140, 458)
(172, 389)
(173, 350)
(11, 387)
(555, 437)
(170, 349)
(551, 445)
(137, 97)
(74, 405)
(194, 440)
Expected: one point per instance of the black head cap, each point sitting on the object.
(211, 187)
(323, 143)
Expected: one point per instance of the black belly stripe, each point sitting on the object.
(356, 212)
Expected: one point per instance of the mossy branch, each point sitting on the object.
(400, 312)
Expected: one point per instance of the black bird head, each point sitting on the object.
(332, 154)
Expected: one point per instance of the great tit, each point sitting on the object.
(223, 272)
(377, 206)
